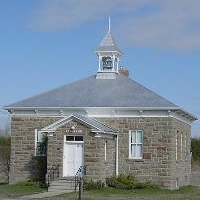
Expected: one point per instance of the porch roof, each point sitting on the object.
(95, 125)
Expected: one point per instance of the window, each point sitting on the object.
(40, 143)
(181, 146)
(176, 151)
(136, 144)
(73, 138)
(185, 144)
(105, 146)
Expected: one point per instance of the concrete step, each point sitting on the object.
(61, 182)
(60, 190)
(62, 185)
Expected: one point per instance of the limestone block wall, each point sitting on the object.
(97, 167)
(23, 145)
(159, 163)
(182, 162)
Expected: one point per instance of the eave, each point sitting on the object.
(99, 112)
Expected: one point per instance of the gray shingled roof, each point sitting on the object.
(108, 44)
(92, 92)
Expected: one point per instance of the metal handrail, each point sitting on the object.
(52, 174)
(79, 175)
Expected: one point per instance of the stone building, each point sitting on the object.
(107, 122)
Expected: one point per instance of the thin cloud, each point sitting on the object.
(153, 23)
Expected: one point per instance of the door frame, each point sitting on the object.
(73, 142)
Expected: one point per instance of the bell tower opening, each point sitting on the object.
(109, 55)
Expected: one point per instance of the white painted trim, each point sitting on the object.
(105, 151)
(106, 116)
(36, 132)
(176, 151)
(74, 142)
(105, 135)
(117, 155)
(83, 108)
(63, 156)
(142, 144)
(181, 146)
(54, 126)
(185, 143)
(107, 112)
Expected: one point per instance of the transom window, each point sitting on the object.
(74, 138)
(135, 144)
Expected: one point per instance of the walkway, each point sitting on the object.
(43, 195)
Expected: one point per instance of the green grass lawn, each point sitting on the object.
(186, 193)
(19, 189)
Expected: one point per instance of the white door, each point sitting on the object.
(73, 158)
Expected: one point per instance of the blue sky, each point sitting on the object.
(48, 43)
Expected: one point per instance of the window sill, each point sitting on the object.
(135, 159)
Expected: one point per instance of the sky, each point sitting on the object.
(48, 43)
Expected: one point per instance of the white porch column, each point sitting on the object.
(113, 60)
(117, 157)
(99, 63)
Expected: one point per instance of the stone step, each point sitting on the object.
(60, 190)
(57, 189)
(62, 185)
(62, 182)
(68, 178)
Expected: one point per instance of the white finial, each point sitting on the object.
(109, 24)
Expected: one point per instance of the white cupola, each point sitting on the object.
(109, 55)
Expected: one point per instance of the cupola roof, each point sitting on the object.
(108, 44)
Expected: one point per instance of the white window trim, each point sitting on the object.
(176, 151)
(75, 142)
(105, 151)
(181, 146)
(36, 142)
(135, 158)
(36, 131)
(185, 144)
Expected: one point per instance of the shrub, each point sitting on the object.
(195, 148)
(32, 182)
(127, 182)
(38, 166)
(91, 185)
(5, 154)
(4, 141)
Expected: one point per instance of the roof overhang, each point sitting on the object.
(99, 112)
(94, 125)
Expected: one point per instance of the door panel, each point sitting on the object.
(78, 156)
(73, 158)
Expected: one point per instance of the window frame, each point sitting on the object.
(38, 141)
(105, 151)
(73, 141)
(176, 147)
(136, 144)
